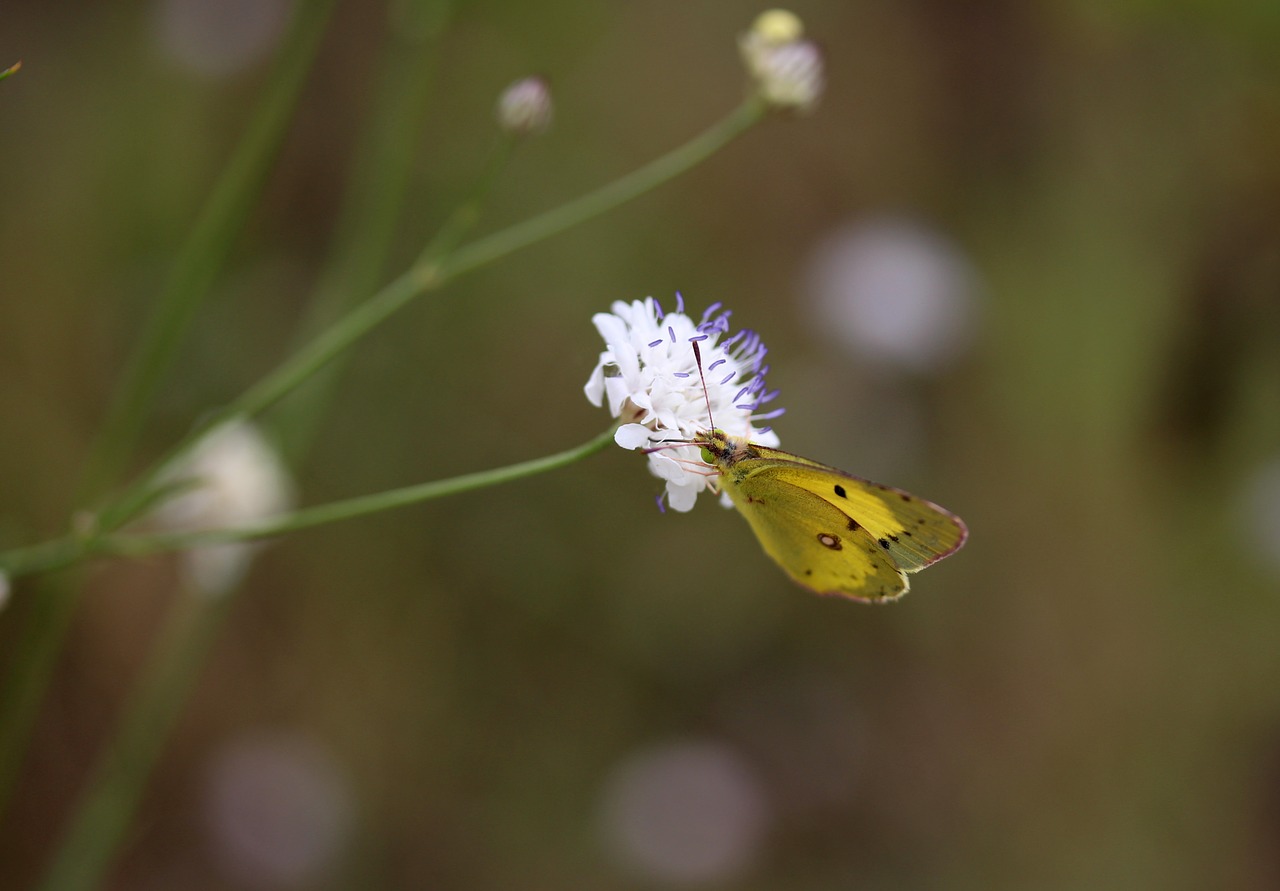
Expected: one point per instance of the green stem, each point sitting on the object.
(619, 192)
(64, 552)
(201, 256)
(375, 192)
(119, 779)
(425, 276)
(207, 247)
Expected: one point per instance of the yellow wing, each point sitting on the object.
(913, 532)
(813, 541)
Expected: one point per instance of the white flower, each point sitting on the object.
(787, 69)
(4, 589)
(650, 378)
(235, 479)
(524, 108)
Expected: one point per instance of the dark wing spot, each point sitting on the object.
(853, 525)
(893, 538)
(906, 497)
(907, 533)
(808, 572)
(830, 541)
(840, 491)
(884, 543)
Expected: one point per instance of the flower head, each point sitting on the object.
(233, 478)
(524, 108)
(787, 69)
(649, 376)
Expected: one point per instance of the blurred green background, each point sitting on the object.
(550, 685)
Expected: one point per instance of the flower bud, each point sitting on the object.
(232, 477)
(786, 68)
(525, 107)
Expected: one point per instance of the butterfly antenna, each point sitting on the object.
(706, 394)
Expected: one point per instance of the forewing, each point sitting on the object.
(811, 540)
(912, 531)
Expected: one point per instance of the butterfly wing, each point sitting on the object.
(911, 531)
(812, 541)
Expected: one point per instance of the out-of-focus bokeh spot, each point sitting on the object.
(890, 290)
(217, 38)
(279, 809)
(1259, 516)
(687, 812)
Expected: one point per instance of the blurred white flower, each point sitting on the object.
(892, 291)
(688, 812)
(786, 68)
(4, 589)
(279, 810)
(216, 38)
(234, 478)
(1260, 512)
(525, 108)
(650, 377)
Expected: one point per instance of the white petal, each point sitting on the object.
(595, 386)
(682, 498)
(616, 337)
(632, 436)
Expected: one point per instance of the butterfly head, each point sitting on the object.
(721, 449)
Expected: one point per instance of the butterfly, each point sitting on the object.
(831, 532)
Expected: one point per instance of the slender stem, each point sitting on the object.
(425, 276)
(120, 776)
(64, 552)
(21, 690)
(206, 249)
(619, 192)
(29, 667)
(374, 195)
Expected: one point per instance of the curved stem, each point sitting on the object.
(203, 254)
(427, 275)
(66, 551)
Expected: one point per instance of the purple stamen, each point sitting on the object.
(671, 332)
(741, 393)
(712, 366)
(683, 374)
(770, 396)
(658, 307)
(768, 416)
(679, 302)
(657, 342)
(697, 337)
(728, 377)
(711, 309)
(763, 430)
(662, 508)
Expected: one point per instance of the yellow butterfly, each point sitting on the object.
(831, 532)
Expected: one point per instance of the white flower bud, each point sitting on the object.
(786, 68)
(525, 107)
